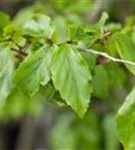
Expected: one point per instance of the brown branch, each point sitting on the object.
(19, 52)
(105, 36)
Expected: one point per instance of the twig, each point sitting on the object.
(105, 36)
(107, 56)
(20, 52)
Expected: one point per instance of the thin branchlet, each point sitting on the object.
(105, 35)
(106, 56)
(19, 52)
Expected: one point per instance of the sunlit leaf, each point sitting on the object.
(126, 50)
(71, 77)
(126, 122)
(39, 26)
(103, 20)
(34, 71)
(6, 71)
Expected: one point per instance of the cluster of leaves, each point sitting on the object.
(42, 58)
(88, 133)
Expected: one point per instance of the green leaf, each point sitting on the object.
(71, 77)
(4, 20)
(126, 50)
(113, 27)
(26, 13)
(100, 83)
(81, 134)
(61, 29)
(63, 127)
(19, 104)
(6, 71)
(88, 131)
(111, 47)
(19, 40)
(76, 33)
(51, 95)
(116, 74)
(14, 105)
(111, 139)
(39, 26)
(103, 20)
(34, 71)
(126, 122)
(90, 59)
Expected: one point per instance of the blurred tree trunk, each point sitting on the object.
(13, 6)
(122, 9)
(26, 134)
(2, 138)
(118, 9)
